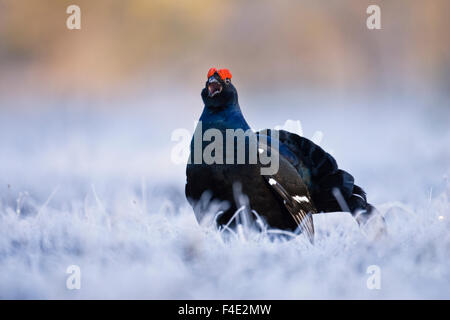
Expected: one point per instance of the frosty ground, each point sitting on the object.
(98, 189)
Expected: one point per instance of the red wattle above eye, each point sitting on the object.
(211, 72)
(224, 74)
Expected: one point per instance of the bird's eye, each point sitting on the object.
(227, 81)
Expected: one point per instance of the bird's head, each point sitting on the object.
(219, 91)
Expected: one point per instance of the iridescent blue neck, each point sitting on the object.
(222, 118)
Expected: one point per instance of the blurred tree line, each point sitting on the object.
(316, 44)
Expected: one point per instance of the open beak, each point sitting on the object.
(214, 87)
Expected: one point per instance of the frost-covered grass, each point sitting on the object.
(127, 252)
(99, 192)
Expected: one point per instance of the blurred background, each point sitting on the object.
(133, 46)
(71, 100)
(86, 121)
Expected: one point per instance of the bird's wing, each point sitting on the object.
(318, 169)
(300, 207)
(331, 188)
(309, 158)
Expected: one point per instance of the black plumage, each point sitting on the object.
(308, 180)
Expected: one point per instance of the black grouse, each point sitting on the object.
(307, 181)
